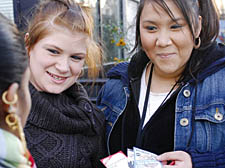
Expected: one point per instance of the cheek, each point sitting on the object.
(186, 48)
(148, 45)
(39, 64)
(39, 57)
(147, 41)
(76, 68)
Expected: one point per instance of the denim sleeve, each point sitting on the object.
(207, 159)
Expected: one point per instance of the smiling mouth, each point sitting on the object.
(56, 77)
(165, 55)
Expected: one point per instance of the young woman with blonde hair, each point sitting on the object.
(64, 128)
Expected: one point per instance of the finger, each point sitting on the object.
(168, 166)
(177, 155)
(164, 162)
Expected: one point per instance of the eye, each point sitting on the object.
(151, 28)
(76, 58)
(53, 51)
(176, 26)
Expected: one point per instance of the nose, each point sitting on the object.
(62, 65)
(163, 39)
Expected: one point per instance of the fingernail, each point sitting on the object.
(172, 163)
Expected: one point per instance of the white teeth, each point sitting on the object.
(57, 78)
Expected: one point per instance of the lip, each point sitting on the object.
(57, 78)
(165, 55)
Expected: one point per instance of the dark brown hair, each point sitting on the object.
(191, 9)
(13, 56)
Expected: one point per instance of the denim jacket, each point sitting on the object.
(199, 111)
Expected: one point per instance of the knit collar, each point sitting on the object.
(69, 112)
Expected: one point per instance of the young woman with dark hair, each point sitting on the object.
(15, 99)
(169, 99)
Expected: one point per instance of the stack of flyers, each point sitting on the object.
(138, 158)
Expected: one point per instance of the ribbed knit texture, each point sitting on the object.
(64, 130)
(208, 160)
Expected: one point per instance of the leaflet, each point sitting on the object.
(116, 160)
(136, 158)
(145, 159)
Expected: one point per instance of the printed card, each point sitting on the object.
(116, 160)
(136, 158)
(145, 159)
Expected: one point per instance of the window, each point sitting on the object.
(115, 24)
(6, 8)
(111, 26)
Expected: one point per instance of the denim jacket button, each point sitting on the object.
(110, 123)
(187, 93)
(218, 116)
(184, 122)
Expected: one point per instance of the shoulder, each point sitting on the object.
(113, 87)
(119, 72)
(214, 61)
(216, 69)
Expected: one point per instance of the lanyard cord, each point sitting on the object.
(139, 138)
(139, 134)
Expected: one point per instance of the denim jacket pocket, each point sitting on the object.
(210, 128)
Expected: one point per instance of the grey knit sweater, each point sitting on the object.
(65, 130)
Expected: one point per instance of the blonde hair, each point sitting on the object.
(70, 15)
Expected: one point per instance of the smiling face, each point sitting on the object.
(56, 60)
(167, 43)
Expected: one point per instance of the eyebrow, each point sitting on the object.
(174, 20)
(51, 45)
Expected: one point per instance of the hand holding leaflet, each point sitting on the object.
(136, 158)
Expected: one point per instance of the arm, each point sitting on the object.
(207, 159)
(193, 158)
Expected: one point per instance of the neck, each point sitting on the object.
(161, 83)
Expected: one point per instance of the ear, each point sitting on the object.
(26, 37)
(11, 92)
(199, 26)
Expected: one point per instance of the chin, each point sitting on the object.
(57, 89)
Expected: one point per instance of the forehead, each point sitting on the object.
(65, 39)
(160, 10)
